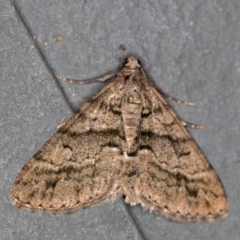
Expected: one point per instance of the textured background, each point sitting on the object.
(191, 50)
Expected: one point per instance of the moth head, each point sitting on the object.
(132, 63)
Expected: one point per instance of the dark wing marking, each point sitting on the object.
(175, 178)
(76, 167)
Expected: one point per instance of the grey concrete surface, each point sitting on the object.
(189, 48)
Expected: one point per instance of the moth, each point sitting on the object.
(125, 141)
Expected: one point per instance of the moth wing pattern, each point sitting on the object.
(125, 140)
(72, 170)
(175, 178)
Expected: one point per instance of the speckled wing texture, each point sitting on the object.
(77, 166)
(127, 141)
(174, 177)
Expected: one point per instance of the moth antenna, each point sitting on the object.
(192, 125)
(174, 99)
(168, 96)
(97, 79)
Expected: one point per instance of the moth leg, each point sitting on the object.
(97, 79)
(191, 125)
(175, 99)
